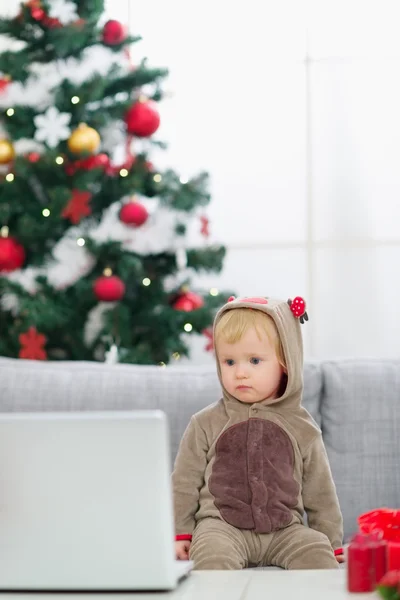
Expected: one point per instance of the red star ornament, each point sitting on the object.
(205, 227)
(32, 344)
(209, 347)
(77, 207)
(5, 81)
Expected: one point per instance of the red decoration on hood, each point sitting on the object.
(298, 308)
(255, 300)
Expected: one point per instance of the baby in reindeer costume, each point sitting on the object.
(250, 465)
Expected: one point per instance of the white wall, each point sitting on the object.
(293, 107)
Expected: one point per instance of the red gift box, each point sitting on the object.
(385, 523)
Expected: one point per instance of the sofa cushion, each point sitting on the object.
(178, 390)
(360, 413)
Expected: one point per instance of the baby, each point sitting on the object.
(252, 464)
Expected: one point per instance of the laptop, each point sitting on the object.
(86, 503)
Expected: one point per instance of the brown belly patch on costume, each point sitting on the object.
(252, 478)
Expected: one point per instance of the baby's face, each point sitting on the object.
(249, 368)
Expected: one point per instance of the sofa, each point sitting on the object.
(355, 402)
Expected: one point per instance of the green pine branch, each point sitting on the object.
(184, 196)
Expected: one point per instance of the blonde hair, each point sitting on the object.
(234, 323)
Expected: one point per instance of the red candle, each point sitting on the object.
(366, 562)
(394, 556)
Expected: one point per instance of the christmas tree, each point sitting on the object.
(95, 254)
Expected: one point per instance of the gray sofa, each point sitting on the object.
(355, 402)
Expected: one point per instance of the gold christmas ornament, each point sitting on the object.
(84, 140)
(7, 151)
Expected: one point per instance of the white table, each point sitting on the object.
(266, 585)
(239, 585)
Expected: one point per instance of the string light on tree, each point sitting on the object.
(146, 282)
(124, 173)
(188, 327)
(10, 112)
(214, 292)
(75, 100)
(46, 212)
(80, 241)
(157, 178)
(183, 180)
(10, 177)
(59, 160)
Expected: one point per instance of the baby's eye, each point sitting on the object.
(230, 362)
(255, 361)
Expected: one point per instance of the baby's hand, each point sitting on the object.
(182, 549)
(340, 558)
(339, 554)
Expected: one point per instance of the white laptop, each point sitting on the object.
(86, 502)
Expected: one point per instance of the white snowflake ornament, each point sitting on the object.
(64, 11)
(52, 127)
(111, 356)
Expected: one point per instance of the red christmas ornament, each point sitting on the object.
(12, 255)
(205, 227)
(298, 308)
(4, 83)
(109, 288)
(209, 347)
(51, 22)
(77, 207)
(114, 33)
(99, 161)
(33, 157)
(142, 119)
(80, 23)
(32, 344)
(231, 298)
(133, 214)
(38, 14)
(188, 301)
